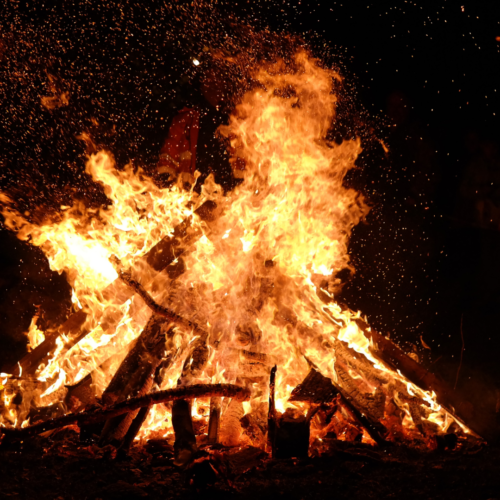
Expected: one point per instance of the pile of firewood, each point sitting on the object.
(333, 409)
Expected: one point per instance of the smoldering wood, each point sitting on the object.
(163, 254)
(135, 376)
(415, 409)
(375, 430)
(214, 420)
(132, 404)
(81, 394)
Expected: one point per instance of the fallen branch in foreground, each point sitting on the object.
(93, 416)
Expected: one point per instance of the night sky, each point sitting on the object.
(423, 77)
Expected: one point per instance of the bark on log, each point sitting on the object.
(132, 404)
(164, 253)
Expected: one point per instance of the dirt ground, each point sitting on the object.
(61, 467)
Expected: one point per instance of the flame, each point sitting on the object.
(254, 276)
(35, 335)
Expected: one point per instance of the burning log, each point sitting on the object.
(141, 417)
(315, 389)
(271, 419)
(393, 356)
(371, 406)
(185, 439)
(135, 376)
(254, 430)
(157, 259)
(158, 309)
(214, 421)
(230, 429)
(129, 405)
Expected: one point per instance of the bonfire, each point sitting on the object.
(209, 319)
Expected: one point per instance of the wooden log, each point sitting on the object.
(134, 377)
(164, 253)
(271, 418)
(230, 428)
(452, 401)
(214, 421)
(253, 430)
(372, 406)
(375, 430)
(141, 417)
(132, 404)
(185, 438)
(158, 309)
(315, 389)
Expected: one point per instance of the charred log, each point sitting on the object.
(141, 417)
(129, 405)
(214, 421)
(135, 377)
(185, 439)
(253, 430)
(230, 429)
(366, 408)
(271, 419)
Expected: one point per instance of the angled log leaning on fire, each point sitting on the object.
(163, 254)
(390, 354)
(129, 405)
(135, 376)
(141, 417)
(317, 389)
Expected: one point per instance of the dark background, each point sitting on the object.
(422, 77)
